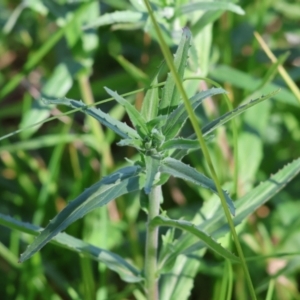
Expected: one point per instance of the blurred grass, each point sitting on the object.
(41, 170)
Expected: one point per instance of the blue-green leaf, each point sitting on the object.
(136, 118)
(118, 127)
(191, 228)
(183, 144)
(170, 95)
(126, 16)
(214, 5)
(121, 182)
(231, 114)
(152, 166)
(217, 226)
(179, 116)
(135, 143)
(113, 261)
(178, 169)
(150, 104)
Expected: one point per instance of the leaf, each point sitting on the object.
(180, 143)
(217, 225)
(231, 114)
(157, 122)
(113, 261)
(207, 129)
(178, 117)
(152, 166)
(118, 127)
(135, 143)
(121, 182)
(150, 103)
(205, 6)
(136, 118)
(170, 94)
(178, 169)
(126, 16)
(191, 228)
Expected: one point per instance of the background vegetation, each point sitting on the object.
(45, 50)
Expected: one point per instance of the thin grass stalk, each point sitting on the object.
(270, 290)
(169, 60)
(87, 278)
(286, 77)
(234, 129)
(155, 197)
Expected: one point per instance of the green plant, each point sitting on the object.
(156, 137)
(180, 258)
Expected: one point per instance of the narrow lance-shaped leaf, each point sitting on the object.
(217, 225)
(157, 122)
(152, 166)
(178, 117)
(182, 143)
(231, 114)
(137, 120)
(126, 16)
(113, 261)
(206, 6)
(121, 182)
(170, 94)
(118, 127)
(178, 169)
(150, 103)
(135, 143)
(207, 129)
(191, 228)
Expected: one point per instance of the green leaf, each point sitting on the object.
(113, 261)
(217, 225)
(152, 166)
(178, 169)
(191, 228)
(182, 143)
(231, 114)
(136, 118)
(179, 116)
(126, 16)
(150, 104)
(121, 182)
(205, 6)
(135, 143)
(118, 127)
(170, 94)
(157, 122)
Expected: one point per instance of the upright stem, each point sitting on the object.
(152, 244)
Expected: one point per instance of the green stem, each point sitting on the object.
(155, 197)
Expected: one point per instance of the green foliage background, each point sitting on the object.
(45, 50)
